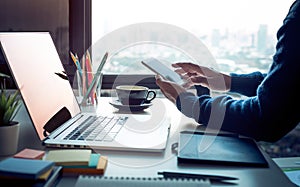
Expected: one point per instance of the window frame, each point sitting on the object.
(109, 80)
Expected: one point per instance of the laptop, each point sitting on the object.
(54, 110)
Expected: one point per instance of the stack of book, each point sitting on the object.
(78, 161)
(28, 172)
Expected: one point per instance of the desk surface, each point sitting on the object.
(123, 163)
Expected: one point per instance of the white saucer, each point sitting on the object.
(120, 106)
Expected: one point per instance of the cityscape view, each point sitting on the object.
(239, 33)
(237, 52)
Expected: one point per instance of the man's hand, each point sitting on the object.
(170, 89)
(204, 76)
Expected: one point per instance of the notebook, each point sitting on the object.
(69, 157)
(92, 181)
(24, 168)
(54, 110)
(222, 149)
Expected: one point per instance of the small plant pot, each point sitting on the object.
(9, 139)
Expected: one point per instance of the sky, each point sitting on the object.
(199, 16)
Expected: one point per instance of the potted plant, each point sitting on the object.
(9, 129)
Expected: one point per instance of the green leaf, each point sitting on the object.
(7, 115)
(11, 99)
(2, 101)
(9, 106)
(16, 108)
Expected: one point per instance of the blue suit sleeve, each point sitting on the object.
(246, 84)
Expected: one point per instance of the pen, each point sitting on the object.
(212, 178)
(94, 81)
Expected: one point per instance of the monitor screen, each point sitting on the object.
(36, 66)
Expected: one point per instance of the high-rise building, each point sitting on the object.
(262, 38)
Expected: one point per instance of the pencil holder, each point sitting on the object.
(88, 87)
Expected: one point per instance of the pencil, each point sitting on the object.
(89, 71)
(76, 62)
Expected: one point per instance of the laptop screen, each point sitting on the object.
(35, 66)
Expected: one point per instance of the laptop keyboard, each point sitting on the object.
(98, 128)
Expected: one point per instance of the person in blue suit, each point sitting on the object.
(272, 108)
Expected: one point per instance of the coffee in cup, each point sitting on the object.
(134, 95)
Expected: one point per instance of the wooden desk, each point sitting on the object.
(123, 163)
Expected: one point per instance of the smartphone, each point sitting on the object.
(159, 68)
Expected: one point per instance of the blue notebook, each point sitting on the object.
(24, 168)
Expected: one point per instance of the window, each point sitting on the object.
(240, 34)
